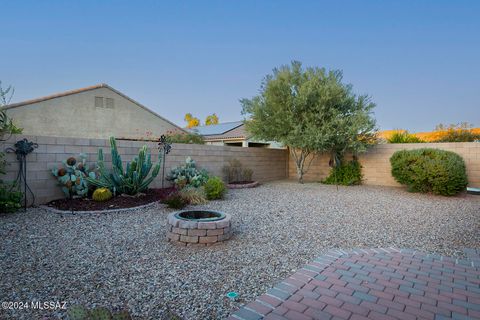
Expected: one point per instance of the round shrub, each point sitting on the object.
(430, 170)
(214, 188)
(346, 174)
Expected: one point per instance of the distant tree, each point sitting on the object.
(191, 120)
(453, 126)
(462, 132)
(211, 119)
(310, 111)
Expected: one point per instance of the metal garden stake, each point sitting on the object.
(164, 146)
(22, 148)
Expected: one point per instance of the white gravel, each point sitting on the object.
(122, 260)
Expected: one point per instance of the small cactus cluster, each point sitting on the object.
(78, 312)
(102, 194)
(133, 179)
(73, 176)
(188, 175)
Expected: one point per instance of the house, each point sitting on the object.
(98, 111)
(231, 134)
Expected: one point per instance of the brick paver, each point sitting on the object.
(383, 283)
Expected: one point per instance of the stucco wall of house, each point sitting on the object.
(77, 116)
(376, 167)
(267, 164)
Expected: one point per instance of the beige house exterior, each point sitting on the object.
(94, 112)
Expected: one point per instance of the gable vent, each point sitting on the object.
(101, 102)
(98, 102)
(109, 103)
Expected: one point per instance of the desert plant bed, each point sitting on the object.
(118, 202)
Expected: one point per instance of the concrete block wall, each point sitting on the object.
(268, 164)
(376, 162)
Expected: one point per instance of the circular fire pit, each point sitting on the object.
(198, 227)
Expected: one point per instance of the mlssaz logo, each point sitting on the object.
(49, 305)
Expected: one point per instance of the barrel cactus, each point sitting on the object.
(133, 180)
(72, 176)
(102, 194)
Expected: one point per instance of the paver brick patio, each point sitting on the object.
(384, 283)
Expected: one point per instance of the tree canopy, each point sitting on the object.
(310, 110)
(191, 120)
(211, 119)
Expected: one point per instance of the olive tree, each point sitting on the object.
(310, 111)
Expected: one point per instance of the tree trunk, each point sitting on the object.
(300, 178)
(300, 162)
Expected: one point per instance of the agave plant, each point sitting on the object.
(131, 181)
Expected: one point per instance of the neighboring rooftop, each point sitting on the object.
(216, 129)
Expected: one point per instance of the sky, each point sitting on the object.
(418, 60)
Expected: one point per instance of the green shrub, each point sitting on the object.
(175, 201)
(188, 175)
(194, 195)
(346, 174)
(10, 198)
(404, 137)
(459, 135)
(79, 312)
(430, 170)
(215, 188)
(190, 138)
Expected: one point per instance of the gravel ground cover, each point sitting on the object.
(122, 260)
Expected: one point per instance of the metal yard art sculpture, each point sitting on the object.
(22, 148)
(165, 147)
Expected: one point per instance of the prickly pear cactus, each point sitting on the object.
(77, 312)
(72, 176)
(188, 175)
(100, 314)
